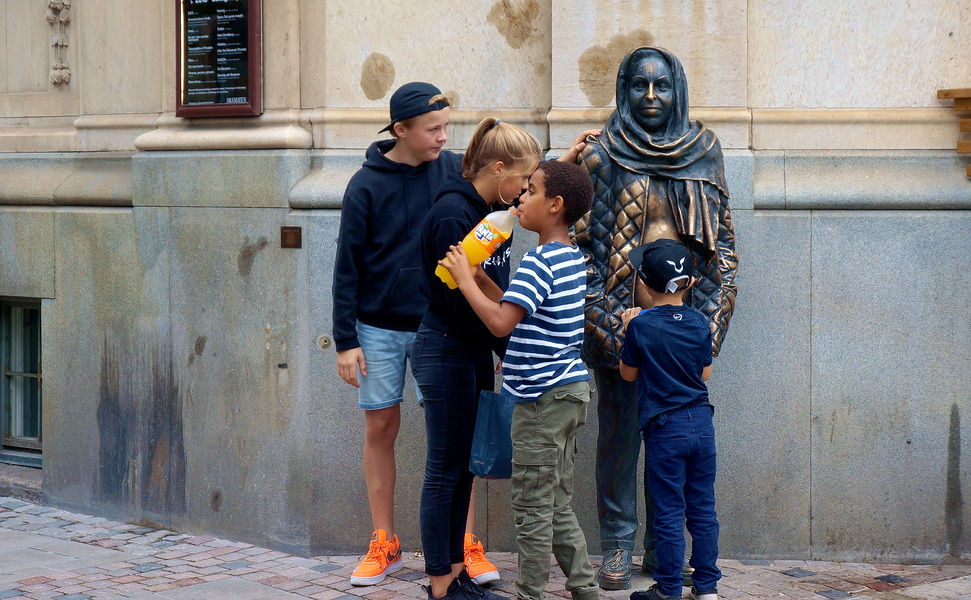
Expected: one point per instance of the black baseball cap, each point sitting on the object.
(411, 100)
(664, 265)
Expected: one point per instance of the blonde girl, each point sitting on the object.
(452, 353)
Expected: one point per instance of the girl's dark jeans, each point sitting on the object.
(450, 373)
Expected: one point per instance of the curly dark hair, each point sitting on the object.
(573, 183)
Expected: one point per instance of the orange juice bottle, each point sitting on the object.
(483, 240)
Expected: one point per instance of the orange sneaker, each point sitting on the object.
(480, 569)
(383, 558)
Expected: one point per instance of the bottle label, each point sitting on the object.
(488, 236)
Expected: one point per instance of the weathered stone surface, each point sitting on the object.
(860, 179)
(762, 391)
(27, 258)
(217, 178)
(111, 428)
(820, 56)
(891, 369)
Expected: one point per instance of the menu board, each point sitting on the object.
(220, 58)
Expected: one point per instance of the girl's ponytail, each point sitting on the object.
(495, 140)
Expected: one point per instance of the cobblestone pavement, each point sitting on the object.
(48, 553)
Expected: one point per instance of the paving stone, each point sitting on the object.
(327, 595)
(147, 567)
(882, 586)
(73, 589)
(892, 579)
(324, 567)
(34, 580)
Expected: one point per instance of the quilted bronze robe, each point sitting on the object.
(679, 169)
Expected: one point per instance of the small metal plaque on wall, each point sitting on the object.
(291, 237)
(219, 52)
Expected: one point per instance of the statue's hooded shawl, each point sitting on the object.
(683, 149)
(680, 165)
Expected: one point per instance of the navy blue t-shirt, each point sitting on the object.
(671, 345)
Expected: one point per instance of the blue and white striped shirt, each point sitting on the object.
(544, 349)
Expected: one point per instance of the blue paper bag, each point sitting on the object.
(492, 442)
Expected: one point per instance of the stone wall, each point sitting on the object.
(187, 375)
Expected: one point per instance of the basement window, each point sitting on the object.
(20, 382)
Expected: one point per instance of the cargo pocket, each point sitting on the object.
(533, 469)
(573, 393)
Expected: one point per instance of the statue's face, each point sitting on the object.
(650, 92)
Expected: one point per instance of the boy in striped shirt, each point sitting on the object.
(542, 369)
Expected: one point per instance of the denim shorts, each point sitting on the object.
(386, 354)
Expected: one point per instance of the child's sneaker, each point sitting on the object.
(473, 591)
(480, 569)
(654, 594)
(709, 595)
(383, 558)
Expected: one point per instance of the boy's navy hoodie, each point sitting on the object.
(457, 210)
(378, 265)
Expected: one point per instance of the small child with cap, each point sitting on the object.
(667, 351)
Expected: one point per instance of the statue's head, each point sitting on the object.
(652, 93)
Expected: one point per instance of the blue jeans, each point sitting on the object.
(386, 353)
(618, 447)
(681, 468)
(450, 373)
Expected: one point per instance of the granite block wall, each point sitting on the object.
(189, 379)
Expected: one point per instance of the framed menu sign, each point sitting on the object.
(220, 57)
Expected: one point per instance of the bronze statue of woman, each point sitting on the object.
(656, 175)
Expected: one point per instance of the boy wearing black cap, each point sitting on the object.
(667, 350)
(377, 304)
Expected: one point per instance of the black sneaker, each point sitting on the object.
(474, 591)
(654, 594)
(706, 595)
(649, 562)
(615, 572)
(455, 591)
